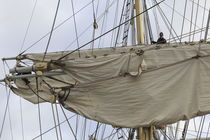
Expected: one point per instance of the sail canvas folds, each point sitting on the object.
(160, 87)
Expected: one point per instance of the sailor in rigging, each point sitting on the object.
(161, 39)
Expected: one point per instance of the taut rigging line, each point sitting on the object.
(111, 30)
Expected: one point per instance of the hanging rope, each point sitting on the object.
(110, 30)
(48, 43)
(95, 25)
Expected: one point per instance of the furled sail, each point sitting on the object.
(126, 87)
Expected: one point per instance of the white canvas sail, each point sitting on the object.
(119, 89)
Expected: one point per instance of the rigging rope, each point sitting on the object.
(203, 19)
(148, 23)
(39, 113)
(48, 43)
(172, 19)
(5, 113)
(185, 9)
(10, 123)
(53, 112)
(196, 17)
(155, 17)
(190, 33)
(53, 127)
(21, 117)
(191, 19)
(103, 27)
(110, 30)
(27, 29)
(115, 23)
(75, 26)
(103, 131)
(56, 109)
(77, 123)
(59, 25)
(180, 14)
(68, 123)
(84, 129)
(166, 21)
(82, 33)
(208, 131)
(95, 25)
(118, 31)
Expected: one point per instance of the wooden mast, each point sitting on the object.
(143, 133)
(139, 22)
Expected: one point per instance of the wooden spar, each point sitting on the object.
(139, 22)
(143, 133)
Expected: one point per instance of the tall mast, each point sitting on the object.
(143, 133)
(139, 22)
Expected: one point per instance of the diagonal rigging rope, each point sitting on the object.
(165, 19)
(75, 26)
(27, 29)
(172, 19)
(53, 127)
(7, 105)
(110, 30)
(59, 25)
(5, 113)
(196, 17)
(48, 43)
(86, 29)
(183, 20)
(75, 137)
(181, 14)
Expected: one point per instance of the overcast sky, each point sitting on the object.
(14, 20)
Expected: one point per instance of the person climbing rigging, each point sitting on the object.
(161, 39)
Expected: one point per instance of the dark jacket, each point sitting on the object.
(161, 41)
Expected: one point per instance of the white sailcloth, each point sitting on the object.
(126, 89)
